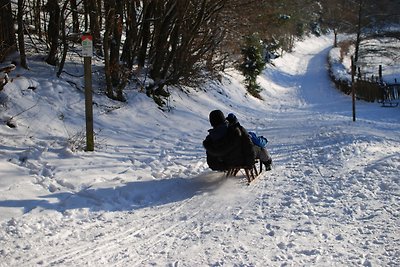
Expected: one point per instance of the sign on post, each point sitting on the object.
(87, 46)
(87, 52)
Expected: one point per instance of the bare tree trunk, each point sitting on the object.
(21, 28)
(359, 27)
(116, 42)
(95, 15)
(148, 6)
(106, 46)
(63, 38)
(86, 7)
(335, 39)
(130, 45)
(7, 33)
(100, 21)
(165, 14)
(75, 19)
(115, 78)
(53, 30)
(37, 18)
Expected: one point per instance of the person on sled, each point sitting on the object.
(227, 147)
(259, 142)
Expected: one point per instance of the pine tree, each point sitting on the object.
(253, 63)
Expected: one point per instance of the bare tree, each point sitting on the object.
(359, 28)
(7, 34)
(185, 34)
(144, 34)
(109, 25)
(94, 12)
(64, 41)
(37, 17)
(130, 46)
(21, 29)
(116, 79)
(75, 16)
(53, 33)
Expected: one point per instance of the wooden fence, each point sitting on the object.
(373, 89)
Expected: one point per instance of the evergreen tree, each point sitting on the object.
(253, 63)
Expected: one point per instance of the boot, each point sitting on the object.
(268, 164)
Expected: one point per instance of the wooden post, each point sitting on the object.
(353, 89)
(88, 104)
(380, 73)
(87, 51)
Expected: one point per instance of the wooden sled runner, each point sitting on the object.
(251, 172)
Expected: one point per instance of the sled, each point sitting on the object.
(250, 172)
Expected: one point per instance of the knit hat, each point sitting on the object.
(216, 118)
(232, 119)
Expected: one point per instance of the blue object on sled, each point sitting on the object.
(260, 141)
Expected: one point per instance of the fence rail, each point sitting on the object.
(372, 89)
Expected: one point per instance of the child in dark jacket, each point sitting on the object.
(259, 147)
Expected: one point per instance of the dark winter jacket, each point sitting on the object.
(227, 147)
(248, 147)
(249, 150)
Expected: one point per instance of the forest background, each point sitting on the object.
(150, 44)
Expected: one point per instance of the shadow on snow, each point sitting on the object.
(130, 196)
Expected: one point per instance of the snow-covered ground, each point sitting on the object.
(146, 197)
(375, 52)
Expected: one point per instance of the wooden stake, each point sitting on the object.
(353, 89)
(88, 103)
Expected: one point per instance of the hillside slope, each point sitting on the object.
(146, 197)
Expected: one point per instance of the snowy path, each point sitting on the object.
(148, 199)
